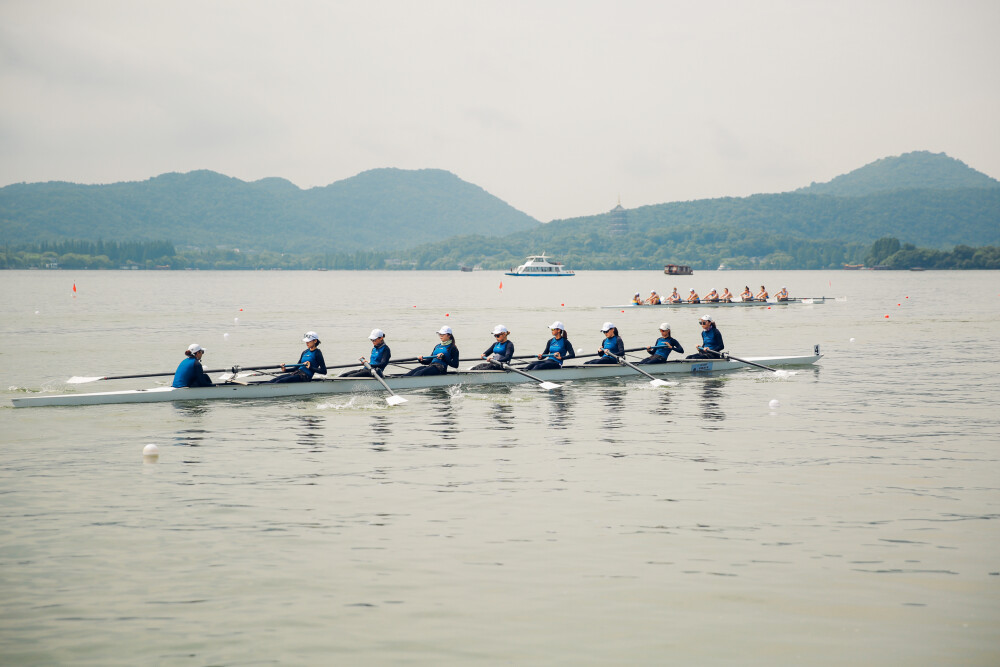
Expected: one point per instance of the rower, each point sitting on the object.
(711, 339)
(636, 300)
(674, 297)
(556, 351)
(661, 349)
(378, 359)
(693, 297)
(500, 352)
(761, 295)
(727, 296)
(654, 298)
(189, 372)
(782, 295)
(746, 294)
(712, 297)
(443, 355)
(310, 362)
(611, 348)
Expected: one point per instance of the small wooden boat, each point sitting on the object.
(263, 390)
(539, 266)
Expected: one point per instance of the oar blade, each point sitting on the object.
(76, 379)
(395, 400)
(549, 385)
(657, 382)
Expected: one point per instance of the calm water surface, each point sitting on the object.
(606, 522)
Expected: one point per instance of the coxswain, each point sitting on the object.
(693, 297)
(746, 294)
(654, 298)
(761, 295)
(557, 350)
(500, 352)
(661, 349)
(711, 340)
(378, 359)
(443, 355)
(727, 296)
(674, 297)
(310, 362)
(712, 297)
(189, 371)
(611, 348)
(782, 295)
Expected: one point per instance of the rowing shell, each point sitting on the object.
(400, 383)
(732, 304)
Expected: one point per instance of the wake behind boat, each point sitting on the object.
(539, 266)
(355, 385)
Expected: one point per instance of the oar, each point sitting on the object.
(392, 398)
(544, 384)
(726, 355)
(81, 380)
(656, 382)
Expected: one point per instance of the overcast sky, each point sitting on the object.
(558, 108)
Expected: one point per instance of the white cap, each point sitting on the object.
(607, 326)
(194, 348)
(665, 326)
(557, 325)
(376, 333)
(713, 289)
(637, 294)
(652, 291)
(310, 335)
(499, 329)
(692, 289)
(783, 287)
(706, 318)
(444, 330)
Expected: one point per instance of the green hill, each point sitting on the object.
(378, 209)
(917, 170)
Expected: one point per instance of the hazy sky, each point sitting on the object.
(558, 108)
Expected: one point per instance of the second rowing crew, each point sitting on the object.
(558, 349)
(712, 297)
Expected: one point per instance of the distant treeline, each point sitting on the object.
(701, 248)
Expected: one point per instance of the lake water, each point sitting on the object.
(607, 522)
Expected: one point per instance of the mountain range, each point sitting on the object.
(924, 198)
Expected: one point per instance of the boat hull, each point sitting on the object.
(401, 383)
(733, 304)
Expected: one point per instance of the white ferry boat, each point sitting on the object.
(540, 266)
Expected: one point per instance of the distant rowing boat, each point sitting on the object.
(733, 304)
(261, 390)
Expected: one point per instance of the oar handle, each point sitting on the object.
(726, 355)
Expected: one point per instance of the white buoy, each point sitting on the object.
(150, 452)
(236, 320)
(36, 312)
(852, 340)
(225, 336)
(774, 403)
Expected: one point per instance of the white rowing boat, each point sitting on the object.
(733, 304)
(258, 390)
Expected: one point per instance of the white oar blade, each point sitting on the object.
(661, 383)
(76, 379)
(549, 385)
(395, 400)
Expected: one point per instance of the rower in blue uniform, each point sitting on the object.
(500, 352)
(611, 348)
(661, 349)
(636, 300)
(378, 359)
(693, 297)
(556, 351)
(712, 297)
(189, 372)
(310, 362)
(782, 295)
(654, 298)
(443, 355)
(711, 340)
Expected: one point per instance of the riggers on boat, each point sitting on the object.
(258, 390)
(733, 304)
